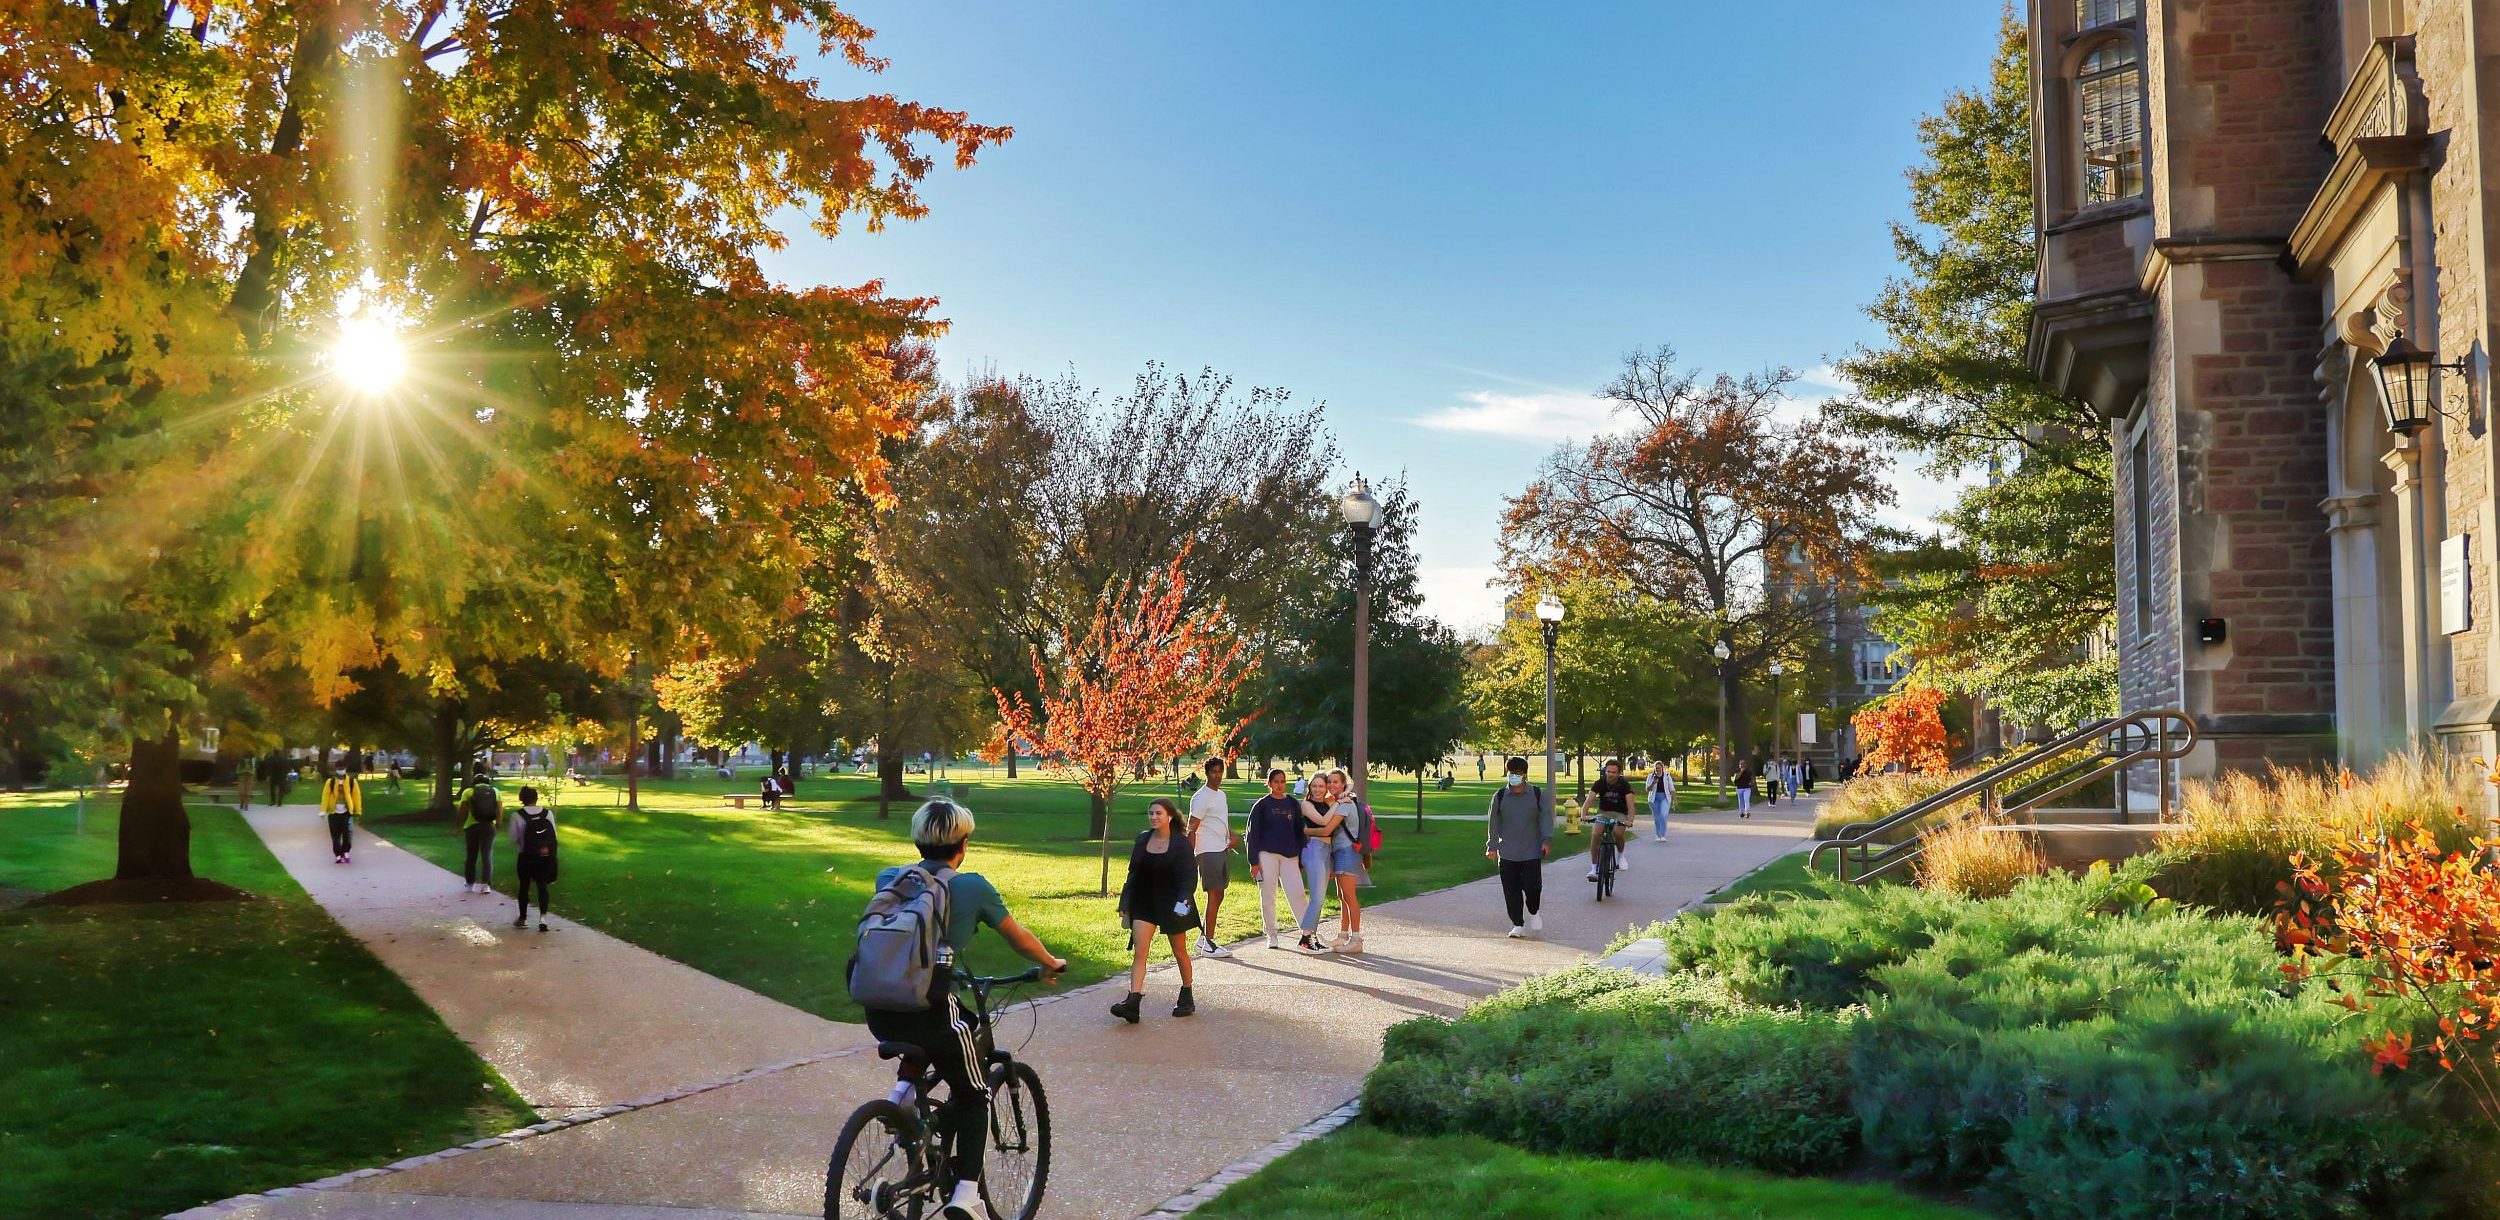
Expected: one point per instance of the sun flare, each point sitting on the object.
(368, 356)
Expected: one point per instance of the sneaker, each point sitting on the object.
(1273, 942)
(522, 922)
(1216, 950)
(1592, 874)
(1204, 947)
(1516, 931)
(542, 925)
(1339, 945)
(1312, 943)
(1623, 864)
(965, 1203)
(1536, 922)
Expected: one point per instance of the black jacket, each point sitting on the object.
(1155, 882)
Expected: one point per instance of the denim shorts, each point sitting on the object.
(1344, 859)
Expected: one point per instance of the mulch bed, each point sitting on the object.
(115, 891)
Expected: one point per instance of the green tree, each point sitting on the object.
(222, 219)
(2008, 602)
(1630, 672)
(1306, 685)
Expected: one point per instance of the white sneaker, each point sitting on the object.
(1273, 942)
(1623, 864)
(966, 1204)
(1516, 931)
(1536, 923)
(1216, 950)
(1592, 874)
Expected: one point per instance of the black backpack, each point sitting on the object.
(538, 834)
(483, 806)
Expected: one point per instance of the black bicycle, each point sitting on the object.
(1607, 850)
(890, 1163)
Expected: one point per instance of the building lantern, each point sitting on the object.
(2404, 384)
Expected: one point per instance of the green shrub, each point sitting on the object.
(1604, 1062)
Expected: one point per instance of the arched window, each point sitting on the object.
(2109, 109)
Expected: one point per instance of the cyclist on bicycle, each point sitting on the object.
(942, 830)
(1614, 812)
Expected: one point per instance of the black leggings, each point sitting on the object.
(522, 887)
(342, 834)
(945, 1035)
(479, 862)
(1523, 881)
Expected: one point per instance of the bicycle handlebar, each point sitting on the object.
(1031, 974)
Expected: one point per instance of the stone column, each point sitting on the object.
(2413, 552)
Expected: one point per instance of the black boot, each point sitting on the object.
(1126, 1010)
(1187, 1005)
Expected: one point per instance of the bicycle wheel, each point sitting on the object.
(875, 1173)
(1019, 1156)
(1605, 868)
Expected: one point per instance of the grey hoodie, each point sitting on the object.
(1519, 822)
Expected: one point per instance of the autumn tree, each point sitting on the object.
(1713, 502)
(2006, 602)
(224, 219)
(1905, 727)
(1149, 679)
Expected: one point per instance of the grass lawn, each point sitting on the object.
(1365, 1171)
(767, 900)
(1780, 878)
(164, 1056)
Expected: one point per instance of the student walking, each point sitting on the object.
(1614, 800)
(273, 773)
(481, 817)
(1345, 830)
(342, 802)
(1519, 833)
(1275, 851)
(1744, 789)
(1661, 800)
(394, 776)
(1156, 900)
(534, 836)
(1211, 839)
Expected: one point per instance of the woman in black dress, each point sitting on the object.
(1159, 898)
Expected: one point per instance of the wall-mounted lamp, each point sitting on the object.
(2404, 384)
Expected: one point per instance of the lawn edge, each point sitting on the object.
(1215, 1184)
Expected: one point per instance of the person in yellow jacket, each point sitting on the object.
(342, 801)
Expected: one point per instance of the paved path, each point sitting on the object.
(1283, 1039)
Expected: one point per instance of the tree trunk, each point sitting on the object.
(156, 832)
(1098, 826)
(890, 779)
(446, 742)
(1011, 760)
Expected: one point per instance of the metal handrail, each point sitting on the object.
(2116, 744)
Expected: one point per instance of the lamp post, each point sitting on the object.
(1549, 617)
(1721, 651)
(1362, 515)
(1777, 711)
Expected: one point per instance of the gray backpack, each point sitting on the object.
(902, 942)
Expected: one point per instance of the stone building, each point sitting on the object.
(2251, 215)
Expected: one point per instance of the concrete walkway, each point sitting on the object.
(1140, 1115)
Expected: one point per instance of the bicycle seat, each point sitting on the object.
(900, 1050)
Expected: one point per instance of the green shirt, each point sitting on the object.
(973, 902)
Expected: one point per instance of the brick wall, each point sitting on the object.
(2447, 64)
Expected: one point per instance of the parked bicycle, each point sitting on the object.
(1609, 832)
(890, 1163)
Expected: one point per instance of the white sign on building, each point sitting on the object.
(2456, 603)
(1805, 728)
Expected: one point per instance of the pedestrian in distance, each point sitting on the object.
(243, 784)
(342, 802)
(481, 819)
(1157, 900)
(941, 831)
(770, 790)
(1275, 851)
(1661, 800)
(1744, 788)
(1613, 795)
(1345, 830)
(534, 840)
(1518, 835)
(393, 776)
(1212, 839)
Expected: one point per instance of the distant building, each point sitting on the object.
(1865, 663)
(2243, 207)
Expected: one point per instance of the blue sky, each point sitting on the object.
(1447, 221)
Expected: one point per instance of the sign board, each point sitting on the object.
(1805, 728)
(2456, 606)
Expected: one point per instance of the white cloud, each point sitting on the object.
(1550, 416)
(1460, 597)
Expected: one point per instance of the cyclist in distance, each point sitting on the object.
(942, 830)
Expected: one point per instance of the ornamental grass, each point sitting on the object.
(1978, 858)
(2239, 833)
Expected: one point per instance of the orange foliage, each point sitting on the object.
(1907, 728)
(2419, 926)
(1149, 680)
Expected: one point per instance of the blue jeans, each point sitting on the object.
(1658, 804)
(1315, 880)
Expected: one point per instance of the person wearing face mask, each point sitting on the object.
(1519, 833)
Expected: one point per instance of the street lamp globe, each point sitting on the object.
(1548, 610)
(1720, 650)
(1777, 669)
(1358, 507)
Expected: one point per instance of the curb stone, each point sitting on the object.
(1215, 1184)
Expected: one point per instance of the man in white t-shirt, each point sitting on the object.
(1211, 836)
